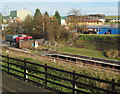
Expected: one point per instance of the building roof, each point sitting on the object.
(97, 26)
(97, 15)
(64, 17)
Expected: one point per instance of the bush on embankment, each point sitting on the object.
(113, 53)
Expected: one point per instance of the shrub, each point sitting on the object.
(113, 53)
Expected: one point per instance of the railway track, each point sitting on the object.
(75, 58)
(94, 58)
(89, 60)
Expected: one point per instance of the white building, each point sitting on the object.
(64, 20)
(22, 14)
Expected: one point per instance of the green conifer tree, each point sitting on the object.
(57, 16)
(37, 12)
(46, 14)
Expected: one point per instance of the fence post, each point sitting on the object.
(8, 64)
(24, 70)
(74, 92)
(45, 76)
(113, 85)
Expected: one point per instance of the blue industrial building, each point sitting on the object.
(108, 31)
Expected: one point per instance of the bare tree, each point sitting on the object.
(75, 12)
(74, 16)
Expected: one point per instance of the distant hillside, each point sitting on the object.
(110, 17)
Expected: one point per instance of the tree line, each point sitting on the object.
(41, 26)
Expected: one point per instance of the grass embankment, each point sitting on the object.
(101, 46)
(82, 51)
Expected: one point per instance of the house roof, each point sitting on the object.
(64, 17)
(96, 15)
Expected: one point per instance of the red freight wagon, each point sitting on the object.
(19, 39)
(28, 38)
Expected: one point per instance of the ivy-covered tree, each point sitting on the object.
(57, 17)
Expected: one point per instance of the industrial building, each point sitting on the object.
(108, 31)
(22, 14)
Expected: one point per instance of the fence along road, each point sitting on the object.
(50, 79)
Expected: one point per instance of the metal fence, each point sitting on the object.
(57, 80)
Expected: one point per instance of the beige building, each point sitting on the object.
(87, 22)
(115, 20)
(21, 14)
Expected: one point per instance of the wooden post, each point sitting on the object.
(66, 59)
(74, 86)
(8, 65)
(19, 43)
(57, 57)
(24, 70)
(54, 60)
(45, 85)
(76, 61)
(26, 74)
(113, 85)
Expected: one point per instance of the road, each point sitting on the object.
(11, 84)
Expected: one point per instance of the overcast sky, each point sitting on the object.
(60, 0)
(107, 7)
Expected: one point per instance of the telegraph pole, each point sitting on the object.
(43, 29)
